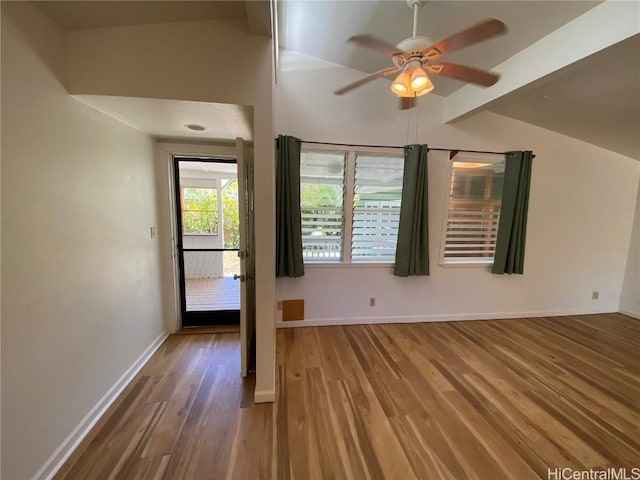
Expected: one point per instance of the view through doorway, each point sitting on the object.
(209, 240)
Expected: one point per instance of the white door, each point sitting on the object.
(246, 254)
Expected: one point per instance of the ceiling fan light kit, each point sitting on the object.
(419, 78)
(415, 56)
(412, 81)
(401, 85)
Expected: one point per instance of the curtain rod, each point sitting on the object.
(394, 146)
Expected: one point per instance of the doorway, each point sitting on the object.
(208, 240)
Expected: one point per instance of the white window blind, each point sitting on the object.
(376, 208)
(321, 201)
(473, 210)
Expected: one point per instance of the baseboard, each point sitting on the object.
(67, 447)
(630, 313)
(264, 396)
(452, 317)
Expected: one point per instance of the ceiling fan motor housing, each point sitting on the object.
(414, 48)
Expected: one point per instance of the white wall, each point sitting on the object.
(630, 297)
(81, 290)
(581, 209)
(211, 61)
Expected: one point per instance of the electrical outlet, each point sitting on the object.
(279, 305)
(595, 295)
(372, 302)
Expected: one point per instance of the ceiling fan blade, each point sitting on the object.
(464, 73)
(374, 43)
(486, 29)
(407, 103)
(367, 79)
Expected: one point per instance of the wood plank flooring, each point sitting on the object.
(504, 399)
(208, 330)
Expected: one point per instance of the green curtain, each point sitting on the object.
(288, 217)
(412, 250)
(512, 229)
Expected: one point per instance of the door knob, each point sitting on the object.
(238, 277)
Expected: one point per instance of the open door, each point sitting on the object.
(247, 257)
(208, 241)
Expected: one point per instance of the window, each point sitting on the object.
(376, 208)
(370, 184)
(321, 200)
(473, 210)
(199, 210)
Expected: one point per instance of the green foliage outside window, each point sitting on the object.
(230, 215)
(200, 211)
(313, 195)
(321, 206)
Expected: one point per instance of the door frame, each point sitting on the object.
(167, 217)
(199, 318)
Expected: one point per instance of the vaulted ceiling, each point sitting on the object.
(569, 66)
(321, 29)
(81, 15)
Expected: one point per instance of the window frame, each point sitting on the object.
(350, 153)
(470, 262)
(307, 261)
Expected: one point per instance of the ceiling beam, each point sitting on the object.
(604, 25)
(259, 17)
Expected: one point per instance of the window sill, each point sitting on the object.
(467, 264)
(349, 265)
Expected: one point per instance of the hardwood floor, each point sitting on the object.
(504, 399)
(208, 330)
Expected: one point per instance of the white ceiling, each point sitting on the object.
(596, 99)
(207, 170)
(79, 15)
(167, 118)
(157, 117)
(321, 29)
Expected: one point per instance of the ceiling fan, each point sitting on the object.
(416, 56)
